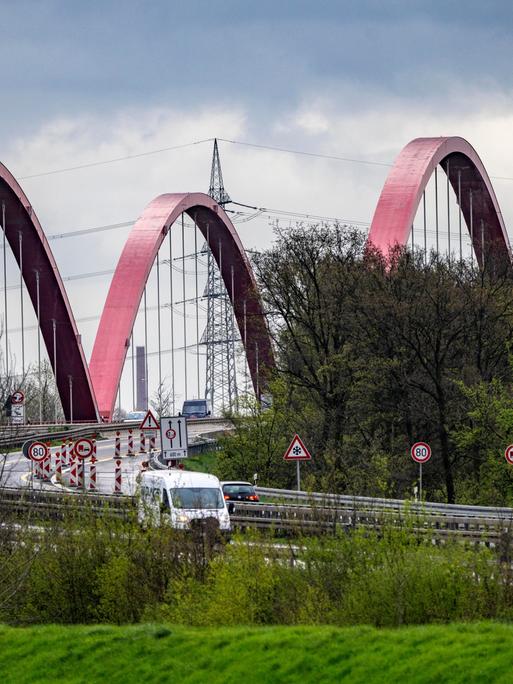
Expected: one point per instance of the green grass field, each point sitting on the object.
(155, 653)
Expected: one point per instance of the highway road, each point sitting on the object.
(16, 469)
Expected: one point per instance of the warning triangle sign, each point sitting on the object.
(297, 451)
(150, 422)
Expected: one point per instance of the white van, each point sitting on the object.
(181, 498)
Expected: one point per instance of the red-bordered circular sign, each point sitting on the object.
(84, 448)
(508, 454)
(421, 452)
(17, 397)
(38, 451)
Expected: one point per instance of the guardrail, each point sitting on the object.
(381, 504)
(289, 519)
(317, 519)
(15, 436)
(45, 503)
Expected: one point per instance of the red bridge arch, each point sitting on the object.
(134, 266)
(54, 304)
(407, 180)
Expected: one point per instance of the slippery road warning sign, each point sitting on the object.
(173, 437)
(297, 451)
(150, 422)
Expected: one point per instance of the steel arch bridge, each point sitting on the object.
(95, 386)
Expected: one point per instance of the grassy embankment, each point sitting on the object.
(480, 652)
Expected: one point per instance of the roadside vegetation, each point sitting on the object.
(98, 569)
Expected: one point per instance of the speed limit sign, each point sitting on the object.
(421, 452)
(38, 451)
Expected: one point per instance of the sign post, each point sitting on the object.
(421, 453)
(174, 440)
(297, 452)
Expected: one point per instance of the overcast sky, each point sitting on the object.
(88, 82)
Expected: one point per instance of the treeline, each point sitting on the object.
(376, 354)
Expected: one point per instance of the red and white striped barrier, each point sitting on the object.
(58, 465)
(80, 473)
(117, 446)
(64, 454)
(131, 451)
(37, 470)
(152, 442)
(117, 477)
(73, 473)
(47, 463)
(69, 460)
(92, 474)
(143, 443)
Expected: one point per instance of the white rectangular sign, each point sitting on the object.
(173, 437)
(17, 414)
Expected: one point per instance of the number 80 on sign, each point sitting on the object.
(421, 452)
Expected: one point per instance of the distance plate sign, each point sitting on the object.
(38, 451)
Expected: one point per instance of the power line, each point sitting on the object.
(115, 159)
(273, 148)
(318, 155)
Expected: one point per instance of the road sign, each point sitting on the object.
(37, 451)
(149, 422)
(173, 437)
(508, 454)
(17, 414)
(17, 397)
(83, 448)
(297, 451)
(421, 452)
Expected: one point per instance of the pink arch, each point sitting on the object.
(37, 259)
(402, 192)
(134, 266)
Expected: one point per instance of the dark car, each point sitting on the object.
(239, 491)
(196, 408)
